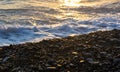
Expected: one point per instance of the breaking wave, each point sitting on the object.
(20, 25)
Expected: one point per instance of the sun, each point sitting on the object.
(70, 2)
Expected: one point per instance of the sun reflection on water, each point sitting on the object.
(72, 3)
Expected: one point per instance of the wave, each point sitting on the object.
(11, 34)
(49, 22)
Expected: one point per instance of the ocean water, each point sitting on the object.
(34, 20)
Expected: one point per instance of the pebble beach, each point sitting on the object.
(94, 52)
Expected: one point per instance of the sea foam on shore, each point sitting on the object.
(37, 21)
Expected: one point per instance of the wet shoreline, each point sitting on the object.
(99, 51)
(33, 21)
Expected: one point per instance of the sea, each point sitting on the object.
(24, 21)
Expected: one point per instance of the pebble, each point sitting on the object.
(109, 55)
(71, 64)
(15, 69)
(116, 60)
(5, 59)
(81, 61)
(51, 68)
(90, 60)
(74, 58)
(40, 68)
(88, 54)
(47, 64)
(103, 53)
(114, 39)
(96, 62)
(59, 65)
(74, 53)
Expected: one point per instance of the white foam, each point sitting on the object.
(17, 29)
(10, 34)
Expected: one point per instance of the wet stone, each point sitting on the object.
(95, 62)
(16, 69)
(51, 62)
(90, 60)
(116, 60)
(103, 53)
(51, 68)
(74, 53)
(47, 65)
(109, 56)
(59, 65)
(81, 61)
(71, 64)
(40, 68)
(5, 59)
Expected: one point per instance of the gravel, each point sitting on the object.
(93, 52)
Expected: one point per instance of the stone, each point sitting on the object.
(59, 65)
(51, 68)
(81, 61)
(5, 59)
(74, 53)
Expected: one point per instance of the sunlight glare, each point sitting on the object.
(71, 2)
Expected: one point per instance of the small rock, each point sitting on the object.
(78, 49)
(51, 62)
(51, 68)
(100, 64)
(71, 64)
(103, 53)
(59, 65)
(116, 60)
(74, 53)
(109, 55)
(114, 39)
(81, 61)
(50, 54)
(16, 69)
(40, 68)
(47, 65)
(118, 56)
(87, 54)
(90, 60)
(5, 59)
(98, 56)
(96, 62)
